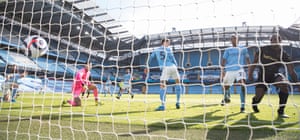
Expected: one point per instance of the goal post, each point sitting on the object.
(122, 97)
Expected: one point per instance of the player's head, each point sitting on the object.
(88, 66)
(275, 39)
(23, 73)
(165, 42)
(145, 70)
(12, 68)
(234, 40)
(127, 70)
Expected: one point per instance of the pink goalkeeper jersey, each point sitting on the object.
(81, 78)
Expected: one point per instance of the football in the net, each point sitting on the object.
(35, 46)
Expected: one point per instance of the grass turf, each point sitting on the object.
(41, 116)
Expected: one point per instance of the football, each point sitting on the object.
(35, 46)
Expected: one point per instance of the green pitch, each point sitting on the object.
(41, 116)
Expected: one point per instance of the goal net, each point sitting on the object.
(47, 47)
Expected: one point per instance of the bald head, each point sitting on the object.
(88, 66)
(275, 39)
(234, 40)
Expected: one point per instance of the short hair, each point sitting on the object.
(234, 35)
(277, 36)
(165, 40)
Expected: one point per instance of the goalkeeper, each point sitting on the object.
(273, 57)
(82, 83)
(233, 59)
(168, 65)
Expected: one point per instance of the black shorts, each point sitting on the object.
(267, 78)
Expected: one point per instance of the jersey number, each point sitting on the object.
(162, 56)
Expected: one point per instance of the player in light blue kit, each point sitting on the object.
(168, 65)
(125, 85)
(11, 84)
(233, 60)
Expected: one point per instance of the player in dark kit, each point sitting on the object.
(273, 57)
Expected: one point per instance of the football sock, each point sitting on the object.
(14, 93)
(227, 94)
(283, 97)
(95, 91)
(162, 93)
(178, 90)
(242, 96)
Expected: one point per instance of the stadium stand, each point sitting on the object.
(108, 46)
(18, 59)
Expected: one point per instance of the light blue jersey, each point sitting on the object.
(164, 57)
(14, 78)
(235, 58)
(127, 78)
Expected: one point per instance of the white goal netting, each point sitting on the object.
(125, 99)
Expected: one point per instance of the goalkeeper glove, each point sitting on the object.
(84, 86)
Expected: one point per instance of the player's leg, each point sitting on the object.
(162, 95)
(121, 90)
(178, 91)
(104, 89)
(226, 93)
(179, 88)
(6, 93)
(77, 101)
(95, 91)
(163, 88)
(283, 94)
(260, 90)
(144, 88)
(241, 78)
(129, 91)
(243, 95)
(109, 90)
(14, 92)
(77, 89)
(6, 89)
(227, 82)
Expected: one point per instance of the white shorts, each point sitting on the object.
(6, 87)
(169, 72)
(123, 85)
(231, 76)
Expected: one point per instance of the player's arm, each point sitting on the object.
(8, 76)
(292, 72)
(79, 78)
(252, 67)
(173, 57)
(174, 60)
(223, 62)
(248, 61)
(23, 74)
(291, 69)
(151, 57)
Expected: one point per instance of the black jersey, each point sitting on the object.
(272, 58)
